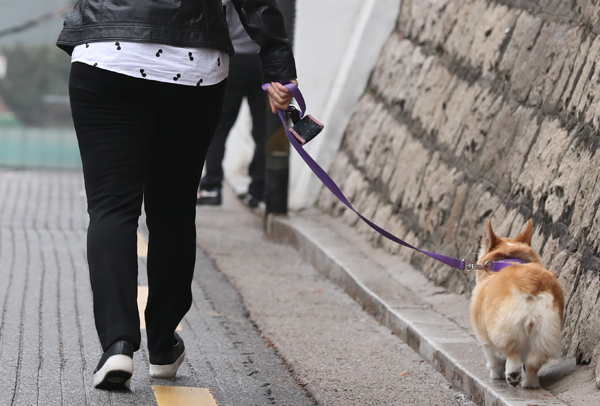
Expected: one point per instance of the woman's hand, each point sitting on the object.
(280, 96)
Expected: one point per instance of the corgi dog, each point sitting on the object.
(517, 312)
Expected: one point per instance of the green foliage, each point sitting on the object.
(32, 73)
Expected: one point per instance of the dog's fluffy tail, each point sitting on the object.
(540, 336)
(531, 324)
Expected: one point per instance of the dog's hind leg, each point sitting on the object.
(532, 366)
(514, 368)
(495, 362)
(531, 381)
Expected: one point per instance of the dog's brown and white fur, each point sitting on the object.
(517, 312)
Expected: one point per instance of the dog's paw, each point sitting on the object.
(514, 378)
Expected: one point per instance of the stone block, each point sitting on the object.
(543, 160)
(522, 41)
(493, 28)
(563, 67)
(544, 62)
(411, 163)
(579, 98)
(467, 19)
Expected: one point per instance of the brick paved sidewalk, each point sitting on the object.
(48, 343)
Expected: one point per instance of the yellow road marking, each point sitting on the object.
(180, 396)
(142, 299)
(142, 246)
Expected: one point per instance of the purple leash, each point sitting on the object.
(493, 266)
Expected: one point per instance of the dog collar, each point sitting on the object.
(494, 266)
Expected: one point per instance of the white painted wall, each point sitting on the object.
(336, 46)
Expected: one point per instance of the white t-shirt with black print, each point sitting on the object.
(163, 63)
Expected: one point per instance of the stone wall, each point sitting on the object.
(485, 109)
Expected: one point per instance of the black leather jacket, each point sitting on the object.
(185, 23)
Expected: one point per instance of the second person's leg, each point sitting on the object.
(259, 108)
(212, 178)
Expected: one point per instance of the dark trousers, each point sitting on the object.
(141, 140)
(244, 81)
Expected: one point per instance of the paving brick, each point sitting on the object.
(48, 343)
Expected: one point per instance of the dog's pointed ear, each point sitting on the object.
(489, 239)
(525, 236)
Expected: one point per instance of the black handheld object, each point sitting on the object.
(305, 129)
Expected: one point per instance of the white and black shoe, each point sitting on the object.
(165, 365)
(209, 197)
(115, 367)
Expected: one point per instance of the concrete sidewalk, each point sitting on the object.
(338, 352)
(434, 323)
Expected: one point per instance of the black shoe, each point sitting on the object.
(251, 201)
(209, 197)
(165, 365)
(115, 367)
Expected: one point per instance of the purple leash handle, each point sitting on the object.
(333, 187)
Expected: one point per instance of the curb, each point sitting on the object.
(452, 351)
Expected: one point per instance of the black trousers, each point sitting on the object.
(245, 80)
(141, 140)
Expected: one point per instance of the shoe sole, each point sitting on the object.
(166, 371)
(115, 374)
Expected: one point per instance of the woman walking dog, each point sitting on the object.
(146, 88)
